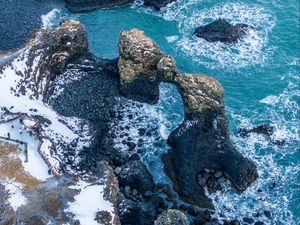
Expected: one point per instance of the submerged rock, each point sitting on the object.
(172, 217)
(223, 31)
(264, 129)
(88, 5)
(202, 140)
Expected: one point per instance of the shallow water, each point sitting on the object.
(260, 75)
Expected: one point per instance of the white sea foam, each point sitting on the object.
(157, 120)
(278, 174)
(251, 50)
(171, 39)
(49, 18)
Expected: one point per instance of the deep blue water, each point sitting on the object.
(260, 76)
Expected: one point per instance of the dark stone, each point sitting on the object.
(157, 4)
(141, 131)
(248, 220)
(88, 5)
(103, 217)
(137, 213)
(235, 222)
(131, 145)
(221, 30)
(192, 211)
(135, 174)
(264, 129)
(197, 145)
(259, 223)
(268, 214)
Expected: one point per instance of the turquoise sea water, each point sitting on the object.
(260, 75)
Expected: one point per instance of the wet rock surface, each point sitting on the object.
(223, 31)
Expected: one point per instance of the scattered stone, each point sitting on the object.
(235, 222)
(218, 174)
(248, 220)
(268, 214)
(259, 223)
(103, 217)
(141, 131)
(118, 170)
(131, 145)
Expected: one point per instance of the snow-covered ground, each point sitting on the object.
(88, 202)
(42, 149)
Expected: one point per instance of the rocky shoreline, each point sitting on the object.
(61, 70)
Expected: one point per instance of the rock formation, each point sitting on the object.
(202, 140)
(221, 30)
(52, 50)
(88, 5)
(139, 56)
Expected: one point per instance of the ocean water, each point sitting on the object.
(260, 75)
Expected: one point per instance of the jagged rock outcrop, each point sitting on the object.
(172, 217)
(139, 56)
(50, 51)
(202, 140)
(221, 30)
(88, 5)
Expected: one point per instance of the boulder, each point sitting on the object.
(157, 4)
(89, 5)
(223, 31)
(135, 175)
(137, 213)
(138, 60)
(172, 217)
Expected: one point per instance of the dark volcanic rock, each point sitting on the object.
(88, 5)
(157, 4)
(139, 56)
(137, 213)
(135, 175)
(221, 30)
(264, 129)
(202, 140)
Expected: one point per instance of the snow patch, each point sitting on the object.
(88, 202)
